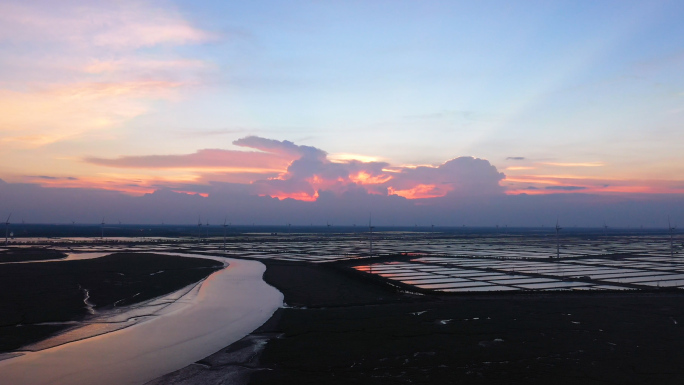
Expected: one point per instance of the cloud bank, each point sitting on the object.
(302, 172)
(36, 204)
(269, 181)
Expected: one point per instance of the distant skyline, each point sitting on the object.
(432, 111)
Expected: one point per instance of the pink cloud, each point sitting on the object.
(48, 114)
(283, 169)
(117, 24)
(555, 184)
(75, 67)
(207, 159)
(458, 176)
(312, 172)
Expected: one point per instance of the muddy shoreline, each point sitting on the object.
(342, 328)
(38, 300)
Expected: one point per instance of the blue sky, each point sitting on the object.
(478, 75)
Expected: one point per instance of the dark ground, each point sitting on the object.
(346, 329)
(30, 254)
(36, 293)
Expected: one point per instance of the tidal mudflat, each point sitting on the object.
(41, 298)
(439, 308)
(353, 329)
(165, 333)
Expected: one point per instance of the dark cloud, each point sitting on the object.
(312, 172)
(515, 158)
(47, 177)
(284, 169)
(565, 188)
(62, 205)
(284, 147)
(459, 176)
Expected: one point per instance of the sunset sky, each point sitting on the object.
(408, 101)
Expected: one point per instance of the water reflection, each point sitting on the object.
(225, 307)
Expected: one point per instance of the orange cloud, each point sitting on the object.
(554, 184)
(363, 177)
(109, 184)
(343, 157)
(205, 195)
(59, 112)
(420, 191)
(97, 43)
(300, 196)
(518, 168)
(129, 65)
(283, 169)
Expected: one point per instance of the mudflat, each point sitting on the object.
(343, 327)
(40, 299)
(26, 254)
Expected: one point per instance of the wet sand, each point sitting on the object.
(344, 328)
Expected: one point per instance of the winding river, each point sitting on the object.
(226, 306)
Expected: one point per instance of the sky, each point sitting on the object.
(455, 112)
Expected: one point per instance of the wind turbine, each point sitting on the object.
(370, 238)
(605, 228)
(102, 228)
(558, 229)
(224, 234)
(370, 230)
(671, 229)
(207, 229)
(7, 223)
(199, 229)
